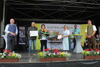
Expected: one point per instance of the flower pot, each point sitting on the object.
(53, 59)
(9, 60)
(91, 57)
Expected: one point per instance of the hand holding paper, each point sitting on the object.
(59, 37)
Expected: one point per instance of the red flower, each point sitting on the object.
(91, 49)
(6, 50)
(96, 49)
(56, 51)
(46, 49)
(51, 32)
(87, 50)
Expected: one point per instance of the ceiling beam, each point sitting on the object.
(51, 20)
(57, 1)
(73, 10)
(53, 5)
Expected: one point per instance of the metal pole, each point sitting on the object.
(3, 23)
(4, 6)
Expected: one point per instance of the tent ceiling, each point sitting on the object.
(53, 9)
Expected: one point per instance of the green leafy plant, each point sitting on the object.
(10, 55)
(91, 52)
(55, 53)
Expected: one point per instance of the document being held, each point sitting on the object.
(33, 33)
(59, 37)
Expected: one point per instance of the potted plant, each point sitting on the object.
(10, 57)
(53, 56)
(91, 54)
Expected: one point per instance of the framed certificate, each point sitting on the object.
(33, 33)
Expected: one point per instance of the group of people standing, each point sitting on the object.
(11, 30)
(43, 35)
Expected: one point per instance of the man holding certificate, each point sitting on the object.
(32, 33)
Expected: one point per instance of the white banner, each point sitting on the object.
(59, 27)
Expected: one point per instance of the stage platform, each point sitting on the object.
(30, 60)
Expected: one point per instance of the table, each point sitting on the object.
(78, 47)
(55, 44)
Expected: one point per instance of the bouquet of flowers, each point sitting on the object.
(91, 52)
(44, 31)
(56, 53)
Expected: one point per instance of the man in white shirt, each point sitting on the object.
(90, 32)
(11, 32)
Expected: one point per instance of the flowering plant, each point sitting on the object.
(56, 53)
(91, 52)
(10, 55)
(44, 31)
(54, 33)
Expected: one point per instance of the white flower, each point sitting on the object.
(49, 54)
(54, 54)
(18, 55)
(98, 52)
(66, 52)
(94, 52)
(1, 53)
(44, 54)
